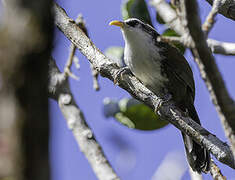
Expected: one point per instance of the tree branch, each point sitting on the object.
(167, 111)
(215, 172)
(224, 48)
(170, 17)
(59, 90)
(224, 104)
(226, 8)
(210, 19)
(67, 72)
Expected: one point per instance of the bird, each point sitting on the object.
(165, 71)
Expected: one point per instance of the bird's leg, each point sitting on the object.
(160, 101)
(119, 75)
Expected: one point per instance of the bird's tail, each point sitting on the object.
(198, 157)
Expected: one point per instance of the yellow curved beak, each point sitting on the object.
(116, 23)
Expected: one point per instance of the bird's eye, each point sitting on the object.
(132, 23)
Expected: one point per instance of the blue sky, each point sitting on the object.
(133, 154)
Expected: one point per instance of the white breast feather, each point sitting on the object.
(143, 58)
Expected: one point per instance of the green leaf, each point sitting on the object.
(170, 32)
(136, 9)
(134, 114)
(115, 53)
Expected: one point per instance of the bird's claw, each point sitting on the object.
(186, 113)
(166, 98)
(120, 73)
(158, 104)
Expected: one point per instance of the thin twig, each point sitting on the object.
(216, 47)
(82, 25)
(170, 39)
(167, 111)
(216, 172)
(67, 72)
(210, 19)
(59, 90)
(184, 40)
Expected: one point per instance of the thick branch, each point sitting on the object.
(209, 71)
(60, 91)
(168, 111)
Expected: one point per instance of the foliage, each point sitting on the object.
(136, 9)
(133, 114)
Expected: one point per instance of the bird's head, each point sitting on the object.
(135, 30)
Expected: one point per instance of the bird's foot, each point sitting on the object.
(186, 113)
(120, 73)
(166, 98)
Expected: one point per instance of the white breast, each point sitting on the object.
(143, 58)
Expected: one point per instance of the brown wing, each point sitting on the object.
(179, 65)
